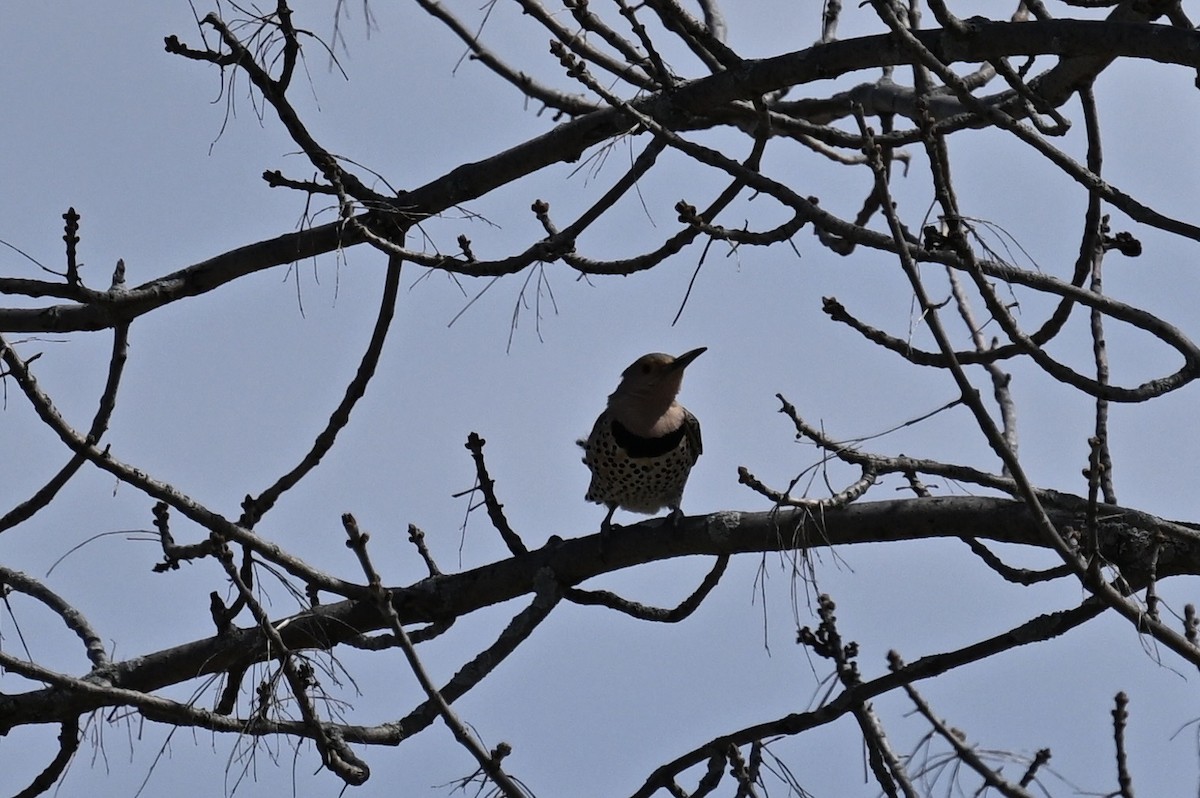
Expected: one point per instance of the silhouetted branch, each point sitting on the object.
(1120, 715)
(489, 762)
(965, 753)
(487, 486)
(547, 594)
(574, 561)
(1020, 576)
(417, 537)
(1043, 627)
(827, 642)
(662, 76)
(253, 509)
(1070, 555)
(564, 103)
(633, 609)
(71, 616)
(162, 491)
(335, 753)
(68, 744)
(108, 402)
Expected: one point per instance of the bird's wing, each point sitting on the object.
(691, 428)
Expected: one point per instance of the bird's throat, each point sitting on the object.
(647, 421)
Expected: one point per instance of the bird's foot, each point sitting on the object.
(674, 518)
(606, 530)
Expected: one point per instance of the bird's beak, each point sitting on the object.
(683, 360)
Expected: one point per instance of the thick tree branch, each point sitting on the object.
(679, 109)
(1124, 536)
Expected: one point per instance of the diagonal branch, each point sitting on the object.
(254, 508)
(1043, 627)
(489, 763)
(108, 402)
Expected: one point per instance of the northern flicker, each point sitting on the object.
(644, 444)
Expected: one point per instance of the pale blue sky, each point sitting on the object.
(225, 392)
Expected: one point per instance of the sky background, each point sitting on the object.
(224, 392)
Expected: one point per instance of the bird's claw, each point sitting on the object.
(606, 530)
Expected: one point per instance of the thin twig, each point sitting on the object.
(487, 486)
(1120, 718)
(964, 752)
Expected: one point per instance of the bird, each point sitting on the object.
(643, 446)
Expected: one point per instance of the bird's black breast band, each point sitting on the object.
(637, 446)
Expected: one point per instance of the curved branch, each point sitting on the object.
(108, 402)
(686, 105)
(488, 763)
(1085, 569)
(68, 744)
(546, 598)
(71, 617)
(253, 509)
(1135, 316)
(605, 598)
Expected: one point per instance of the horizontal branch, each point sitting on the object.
(1126, 537)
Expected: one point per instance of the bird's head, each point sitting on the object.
(648, 388)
